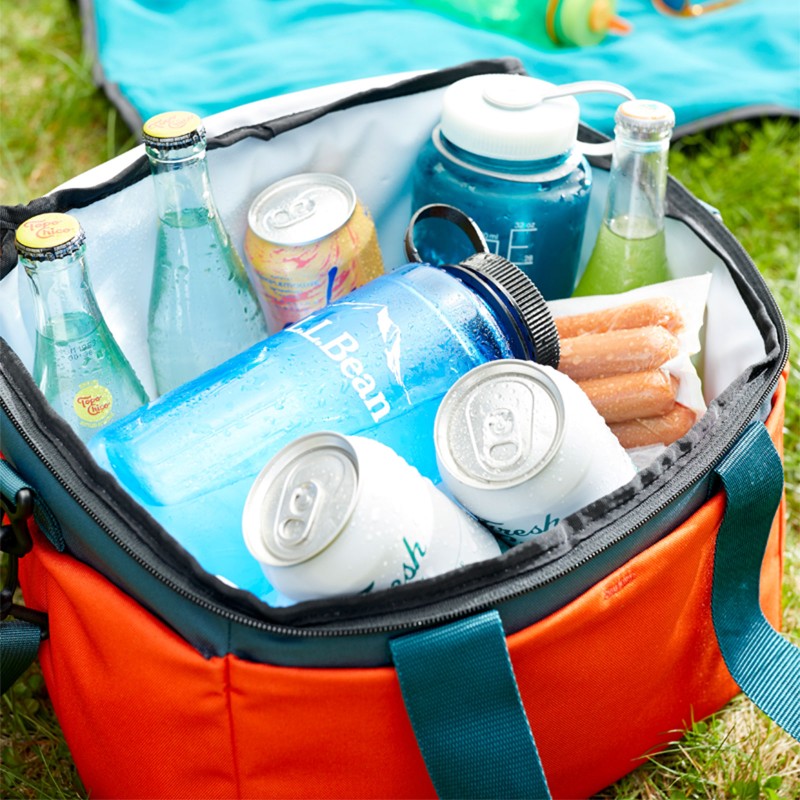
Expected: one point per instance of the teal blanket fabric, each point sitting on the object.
(210, 55)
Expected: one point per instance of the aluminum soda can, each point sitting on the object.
(309, 241)
(521, 446)
(333, 514)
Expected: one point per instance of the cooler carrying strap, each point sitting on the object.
(764, 664)
(20, 638)
(459, 688)
(461, 695)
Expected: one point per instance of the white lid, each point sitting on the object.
(502, 116)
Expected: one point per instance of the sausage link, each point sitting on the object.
(656, 430)
(661, 311)
(599, 355)
(633, 396)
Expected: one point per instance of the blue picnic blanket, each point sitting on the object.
(207, 55)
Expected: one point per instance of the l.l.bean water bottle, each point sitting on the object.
(375, 363)
(506, 153)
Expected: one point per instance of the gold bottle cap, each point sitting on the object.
(46, 237)
(173, 129)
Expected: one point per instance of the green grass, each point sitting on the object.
(54, 124)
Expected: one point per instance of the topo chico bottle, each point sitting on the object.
(203, 308)
(78, 365)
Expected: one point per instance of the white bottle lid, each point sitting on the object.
(503, 117)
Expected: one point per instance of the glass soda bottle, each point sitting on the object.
(506, 153)
(630, 250)
(203, 308)
(78, 365)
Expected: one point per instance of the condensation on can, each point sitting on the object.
(520, 446)
(309, 241)
(333, 514)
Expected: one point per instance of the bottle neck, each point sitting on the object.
(181, 182)
(537, 170)
(515, 302)
(62, 293)
(637, 187)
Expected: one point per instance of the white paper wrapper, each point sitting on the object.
(690, 295)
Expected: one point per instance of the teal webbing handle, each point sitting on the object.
(764, 664)
(10, 485)
(20, 638)
(461, 695)
(19, 644)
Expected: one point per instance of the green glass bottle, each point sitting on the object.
(203, 307)
(630, 250)
(78, 365)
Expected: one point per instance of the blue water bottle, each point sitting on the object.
(375, 363)
(506, 153)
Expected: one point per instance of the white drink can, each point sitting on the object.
(521, 446)
(332, 515)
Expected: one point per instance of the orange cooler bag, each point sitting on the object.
(551, 670)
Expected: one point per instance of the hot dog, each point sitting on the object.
(656, 430)
(633, 396)
(599, 355)
(661, 311)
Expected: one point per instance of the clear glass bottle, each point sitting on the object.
(78, 365)
(203, 308)
(631, 248)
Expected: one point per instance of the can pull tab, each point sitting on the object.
(591, 87)
(502, 443)
(297, 513)
(301, 208)
(500, 428)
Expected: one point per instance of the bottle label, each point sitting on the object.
(92, 404)
(510, 534)
(341, 347)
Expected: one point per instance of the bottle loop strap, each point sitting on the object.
(451, 214)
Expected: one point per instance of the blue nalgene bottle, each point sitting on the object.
(506, 154)
(375, 363)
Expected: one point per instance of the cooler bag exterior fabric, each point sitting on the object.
(606, 680)
(168, 683)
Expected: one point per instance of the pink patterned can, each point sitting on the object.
(309, 241)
